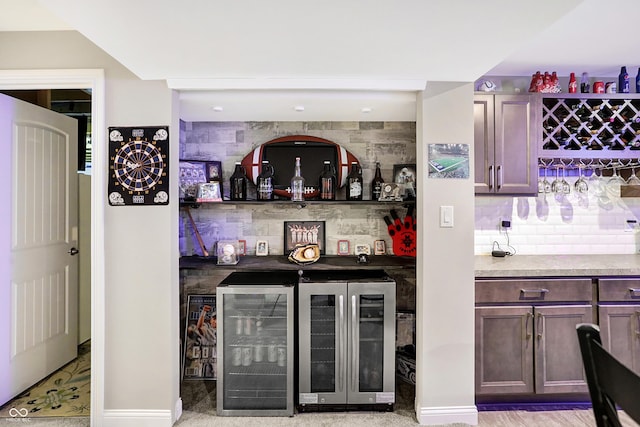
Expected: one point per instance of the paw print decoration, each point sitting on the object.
(402, 232)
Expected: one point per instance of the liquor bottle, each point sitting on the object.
(297, 184)
(238, 184)
(584, 83)
(354, 183)
(638, 81)
(573, 85)
(265, 182)
(376, 184)
(623, 80)
(555, 83)
(327, 184)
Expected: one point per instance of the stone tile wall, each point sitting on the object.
(387, 142)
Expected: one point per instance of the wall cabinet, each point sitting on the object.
(526, 339)
(506, 135)
(619, 313)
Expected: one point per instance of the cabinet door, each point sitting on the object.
(515, 144)
(371, 337)
(620, 332)
(504, 350)
(322, 325)
(558, 359)
(483, 143)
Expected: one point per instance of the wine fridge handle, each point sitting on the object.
(354, 344)
(341, 360)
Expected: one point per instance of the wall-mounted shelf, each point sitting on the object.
(299, 205)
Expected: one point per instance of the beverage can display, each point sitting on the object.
(282, 356)
(236, 356)
(598, 87)
(610, 87)
(247, 356)
(272, 352)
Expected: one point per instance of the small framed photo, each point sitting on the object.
(214, 171)
(362, 249)
(302, 233)
(209, 192)
(242, 247)
(379, 247)
(262, 248)
(343, 247)
(405, 176)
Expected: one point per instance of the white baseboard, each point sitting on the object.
(448, 415)
(137, 418)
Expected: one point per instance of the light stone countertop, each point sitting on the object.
(557, 265)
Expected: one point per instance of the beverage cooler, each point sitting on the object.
(346, 340)
(256, 346)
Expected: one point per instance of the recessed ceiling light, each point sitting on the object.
(366, 109)
(299, 108)
(217, 108)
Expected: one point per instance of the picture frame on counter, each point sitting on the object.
(242, 247)
(362, 249)
(262, 248)
(379, 247)
(343, 247)
(304, 233)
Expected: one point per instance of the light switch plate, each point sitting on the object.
(446, 216)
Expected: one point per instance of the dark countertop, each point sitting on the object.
(275, 262)
(487, 266)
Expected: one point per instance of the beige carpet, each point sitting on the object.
(65, 393)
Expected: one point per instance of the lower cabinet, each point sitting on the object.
(526, 340)
(619, 313)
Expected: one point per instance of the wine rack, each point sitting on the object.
(591, 126)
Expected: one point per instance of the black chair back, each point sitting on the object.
(610, 382)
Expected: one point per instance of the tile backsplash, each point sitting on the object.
(596, 223)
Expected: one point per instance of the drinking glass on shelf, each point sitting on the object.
(556, 185)
(566, 187)
(615, 179)
(633, 178)
(544, 186)
(581, 184)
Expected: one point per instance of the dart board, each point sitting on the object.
(138, 166)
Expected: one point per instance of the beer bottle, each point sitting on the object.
(376, 184)
(354, 182)
(238, 184)
(327, 184)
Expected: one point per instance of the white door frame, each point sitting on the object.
(83, 79)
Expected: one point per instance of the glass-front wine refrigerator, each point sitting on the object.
(346, 340)
(256, 344)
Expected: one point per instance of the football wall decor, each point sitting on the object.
(313, 151)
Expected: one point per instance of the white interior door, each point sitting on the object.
(39, 228)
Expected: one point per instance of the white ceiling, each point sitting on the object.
(332, 56)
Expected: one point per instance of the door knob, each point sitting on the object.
(73, 251)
